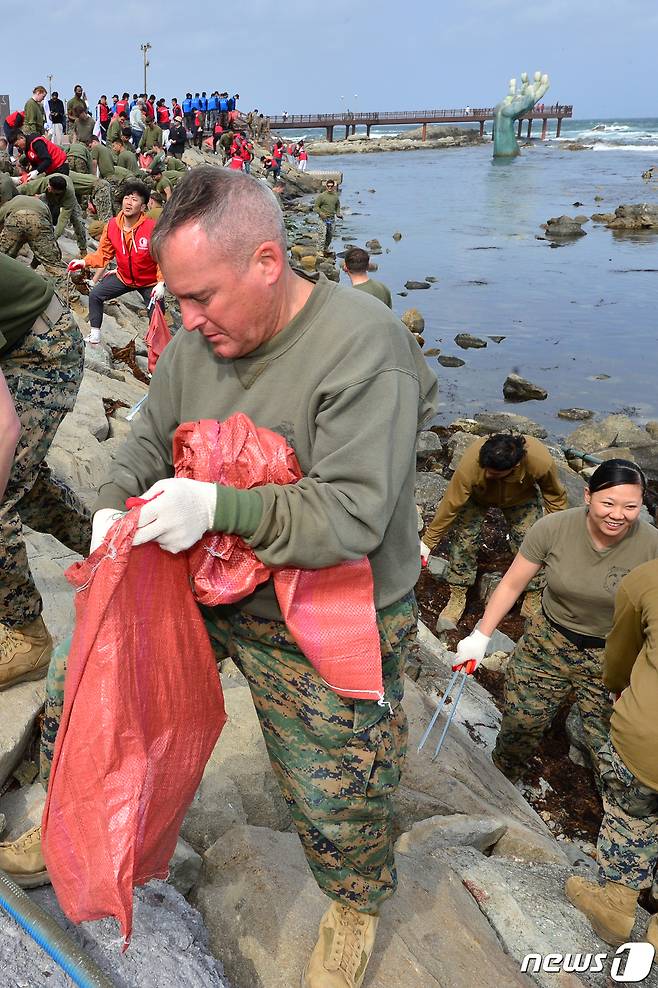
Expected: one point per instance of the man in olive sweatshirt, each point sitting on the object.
(35, 115)
(347, 385)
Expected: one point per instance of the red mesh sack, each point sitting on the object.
(143, 709)
(144, 161)
(158, 336)
(330, 612)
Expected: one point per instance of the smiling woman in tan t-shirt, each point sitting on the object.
(585, 553)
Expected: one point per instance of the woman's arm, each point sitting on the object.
(10, 430)
(506, 594)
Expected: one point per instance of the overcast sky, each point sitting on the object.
(392, 55)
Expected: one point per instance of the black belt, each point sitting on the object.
(580, 641)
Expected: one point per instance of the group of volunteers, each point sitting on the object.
(332, 368)
(590, 577)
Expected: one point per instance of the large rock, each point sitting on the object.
(49, 560)
(614, 430)
(427, 444)
(19, 709)
(446, 360)
(640, 216)
(469, 342)
(489, 423)
(262, 908)
(564, 227)
(429, 489)
(573, 484)
(169, 946)
(413, 320)
(457, 445)
(238, 784)
(516, 388)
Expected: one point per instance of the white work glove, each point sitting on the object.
(101, 523)
(77, 265)
(33, 174)
(158, 292)
(180, 514)
(424, 551)
(470, 652)
(16, 179)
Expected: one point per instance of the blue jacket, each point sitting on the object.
(196, 103)
(187, 106)
(213, 103)
(203, 103)
(223, 104)
(231, 104)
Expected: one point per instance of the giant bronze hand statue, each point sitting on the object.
(517, 102)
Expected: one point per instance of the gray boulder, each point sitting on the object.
(427, 444)
(19, 709)
(489, 423)
(564, 228)
(447, 361)
(469, 342)
(640, 216)
(575, 414)
(516, 388)
(430, 488)
(457, 445)
(416, 285)
(169, 945)
(614, 430)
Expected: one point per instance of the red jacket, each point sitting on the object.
(131, 247)
(163, 116)
(45, 156)
(121, 107)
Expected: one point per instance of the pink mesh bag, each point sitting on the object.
(143, 709)
(330, 612)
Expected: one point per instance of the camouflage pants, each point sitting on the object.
(543, 670)
(115, 183)
(43, 375)
(325, 232)
(337, 761)
(627, 848)
(101, 196)
(27, 227)
(467, 538)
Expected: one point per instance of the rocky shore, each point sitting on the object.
(409, 140)
(481, 865)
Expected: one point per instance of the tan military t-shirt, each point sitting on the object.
(581, 581)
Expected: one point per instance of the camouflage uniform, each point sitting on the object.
(101, 196)
(543, 670)
(337, 761)
(467, 538)
(43, 374)
(24, 226)
(627, 848)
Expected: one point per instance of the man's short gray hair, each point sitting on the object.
(237, 212)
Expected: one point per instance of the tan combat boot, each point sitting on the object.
(24, 653)
(345, 943)
(531, 605)
(22, 860)
(652, 933)
(452, 612)
(610, 908)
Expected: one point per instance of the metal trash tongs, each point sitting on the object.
(464, 671)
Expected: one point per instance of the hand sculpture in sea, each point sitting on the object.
(517, 102)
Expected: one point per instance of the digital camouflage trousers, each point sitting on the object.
(337, 761)
(627, 848)
(545, 667)
(466, 539)
(27, 227)
(43, 374)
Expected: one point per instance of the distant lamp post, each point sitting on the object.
(50, 84)
(145, 49)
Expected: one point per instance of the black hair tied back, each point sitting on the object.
(613, 473)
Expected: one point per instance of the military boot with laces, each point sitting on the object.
(610, 908)
(24, 653)
(452, 613)
(22, 860)
(345, 944)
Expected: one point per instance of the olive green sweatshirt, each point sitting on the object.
(67, 203)
(631, 668)
(25, 295)
(349, 388)
(35, 118)
(537, 471)
(327, 205)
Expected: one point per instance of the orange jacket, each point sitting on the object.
(106, 251)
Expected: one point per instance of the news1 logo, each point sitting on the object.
(630, 965)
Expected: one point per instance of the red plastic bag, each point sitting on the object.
(157, 336)
(330, 612)
(144, 161)
(143, 709)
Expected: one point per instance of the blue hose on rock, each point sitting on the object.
(50, 937)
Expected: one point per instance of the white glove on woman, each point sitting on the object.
(157, 292)
(424, 551)
(471, 649)
(180, 513)
(101, 523)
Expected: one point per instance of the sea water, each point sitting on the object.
(579, 319)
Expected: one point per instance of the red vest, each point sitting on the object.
(57, 155)
(122, 106)
(103, 113)
(163, 116)
(135, 266)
